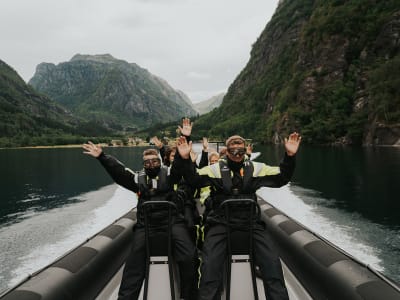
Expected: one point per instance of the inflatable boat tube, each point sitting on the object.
(323, 269)
(82, 273)
(313, 267)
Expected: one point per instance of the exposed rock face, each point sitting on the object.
(112, 91)
(209, 104)
(328, 69)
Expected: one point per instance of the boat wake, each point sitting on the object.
(368, 242)
(42, 237)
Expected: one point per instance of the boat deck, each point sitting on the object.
(295, 289)
(313, 268)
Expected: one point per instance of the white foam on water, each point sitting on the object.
(348, 231)
(40, 239)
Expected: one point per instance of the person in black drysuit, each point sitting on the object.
(154, 182)
(237, 178)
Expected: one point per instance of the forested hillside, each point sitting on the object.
(329, 69)
(28, 118)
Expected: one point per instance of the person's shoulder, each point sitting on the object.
(205, 170)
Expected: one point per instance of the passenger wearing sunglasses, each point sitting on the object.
(153, 182)
(240, 178)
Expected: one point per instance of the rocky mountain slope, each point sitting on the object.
(208, 105)
(118, 94)
(329, 69)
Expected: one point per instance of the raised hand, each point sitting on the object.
(157, 142)
(92, 149)
(186, 128)
(205, 144)
(183, 147)
(292, 143)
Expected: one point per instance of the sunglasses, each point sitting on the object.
(155, 162)
(237, 151)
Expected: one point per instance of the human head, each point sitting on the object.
(148, 153)
(169, 155)
(235, 148)
(213, 157)
(151, 162)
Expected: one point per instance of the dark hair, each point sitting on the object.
(167, 153)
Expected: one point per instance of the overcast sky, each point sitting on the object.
(198, 46)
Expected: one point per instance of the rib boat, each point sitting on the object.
(313, 267)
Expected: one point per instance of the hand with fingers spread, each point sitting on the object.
(292, 143)
(186, 128)
(92, 149)
(157, 142)
(183, 147)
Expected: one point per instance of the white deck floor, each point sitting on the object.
(295, 289)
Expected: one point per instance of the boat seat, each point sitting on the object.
(240, 242)
(240, 281)
(160, 268)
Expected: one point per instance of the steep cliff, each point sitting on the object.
(114, 92)
(329, 69)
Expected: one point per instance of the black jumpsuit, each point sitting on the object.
(214, 247)
(184, 249)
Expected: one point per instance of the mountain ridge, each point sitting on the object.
(111, 91)
(208, 105)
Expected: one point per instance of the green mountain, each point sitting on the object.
(113, 92)
(329, 69)
(28, 118)
(208, 105)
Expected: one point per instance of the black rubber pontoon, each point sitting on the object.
(313, 267)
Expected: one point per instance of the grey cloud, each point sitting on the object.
(199, 47)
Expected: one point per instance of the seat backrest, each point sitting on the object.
(161, 276)
(240, 242)
(158, 243)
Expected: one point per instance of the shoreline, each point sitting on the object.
(103, 145)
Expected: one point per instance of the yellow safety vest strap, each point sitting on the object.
(261, 169)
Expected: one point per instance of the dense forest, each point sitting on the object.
(328, 69)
